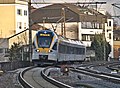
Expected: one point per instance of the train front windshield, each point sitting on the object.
(44, 40)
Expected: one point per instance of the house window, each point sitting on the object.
(109, 35)
(110, 23)
(24, 25)
(83, 37)
(25, 12)
(1, 50)
(19, 11)
(19, 25)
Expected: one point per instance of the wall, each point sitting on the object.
(7, 20)
(116, 49)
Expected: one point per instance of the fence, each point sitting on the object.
(7, 66)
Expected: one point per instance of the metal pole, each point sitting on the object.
(30, 32)
(104, 40)
(104, 52)
(64, 22)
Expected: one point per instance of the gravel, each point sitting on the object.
(76, 79)
(9, 80)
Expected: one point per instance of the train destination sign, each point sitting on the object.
(44, 34)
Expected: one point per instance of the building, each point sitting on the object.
(72, 21)
(75, 22)
(13, 18)
(4, 46)
(116, 42)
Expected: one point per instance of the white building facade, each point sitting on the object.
(87, 34)
(21, 15)
(14, 18)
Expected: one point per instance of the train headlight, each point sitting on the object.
(50, 51)
(38, 50)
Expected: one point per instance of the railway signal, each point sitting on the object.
(65, 70)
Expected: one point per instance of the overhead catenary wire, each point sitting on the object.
(115, 15)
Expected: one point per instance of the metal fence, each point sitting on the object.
(7, 66)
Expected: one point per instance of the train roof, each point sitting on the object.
(70, 41)
(63, 39)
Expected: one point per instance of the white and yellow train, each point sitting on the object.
(51, 48)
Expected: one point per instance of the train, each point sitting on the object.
(48, 47)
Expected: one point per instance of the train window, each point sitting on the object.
(71, 50)
(55, 46)
(81, 51)
(75, 50)
(62, 49)
(44, 42)
(68, 50)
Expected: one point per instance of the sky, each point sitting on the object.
(108, 5)
(56, 1)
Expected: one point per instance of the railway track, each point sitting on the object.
(115, 67)
(105, 76)
(37, 78)
(83, 76)
(112, 80)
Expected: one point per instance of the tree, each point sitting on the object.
(22, 38)
(108, 50)
(15, 52)
(101, 46)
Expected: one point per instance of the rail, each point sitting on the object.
(105, 76)
(24, 83)
(53, 81)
